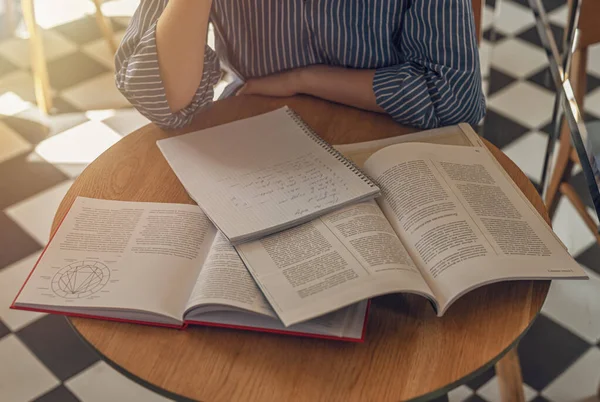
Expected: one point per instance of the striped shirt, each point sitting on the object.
(424, 53)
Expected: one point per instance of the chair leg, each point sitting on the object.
(38, 60)
(561, 171)
(510, 381)
(105, 27)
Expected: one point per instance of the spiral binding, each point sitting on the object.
(325, 145)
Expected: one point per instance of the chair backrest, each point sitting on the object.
(478, 14)
(581, 137)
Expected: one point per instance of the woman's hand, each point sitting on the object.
(350, 87)
(287, 83)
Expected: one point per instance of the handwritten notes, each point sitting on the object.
(256, 176)
(305, 180)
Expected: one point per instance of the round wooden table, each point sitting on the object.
(408, 353)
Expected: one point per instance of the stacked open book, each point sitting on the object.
(287, 236)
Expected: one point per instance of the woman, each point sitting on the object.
(416, 60)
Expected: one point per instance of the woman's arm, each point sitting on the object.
(351, 87)
(163, 66)
(181, 33)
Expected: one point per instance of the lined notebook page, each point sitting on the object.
(260, 175)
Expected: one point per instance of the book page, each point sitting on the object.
(225, 280)
(344, 323)
(462, 221)
(344, 257)
(122, 255)
(278, 174)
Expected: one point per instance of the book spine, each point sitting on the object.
(324, 144)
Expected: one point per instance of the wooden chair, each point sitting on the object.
(567, 157)
(38, 60)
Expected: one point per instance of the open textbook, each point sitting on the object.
(449, 220)
(162, 264)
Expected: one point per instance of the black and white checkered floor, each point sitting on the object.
(42, 359)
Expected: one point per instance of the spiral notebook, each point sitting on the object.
(261, 175)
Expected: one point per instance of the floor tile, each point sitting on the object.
(481, 379)
(518, 58)
(35, 126)
(3, 330)
(72, 150)
(98, 49)
(485, 57)
(6, 66)
(559, 16)
(526, 103)
(528, 153)
(120, 10)
(576, 306)
(11, 143)
(571, 229)
(459, 394)
(590, 257)
(594, 60)
(513, 18)
(546, 351)
(587, 117)
(81, 31)
(549, 5)
(106, 95)
(58, 394)
(493, 35)
(126, 121)
(11, 280)
(25, 377)
(487, 18)
(50, 14)
(498, 81)
(540, 398)
(56, 344)
(475, 398)
(16, 243)
(443, 398)
(531, 35)
(16, 50)
(20, 83)
(592, 103)
(26, 175)
(500, 130)
(101, 383)
(593, 83)
(35, 214)
(60, 106)
(542, 78)
(73, 69)
(11, 103)
(579, 382)
(580, 185)
(490, 391)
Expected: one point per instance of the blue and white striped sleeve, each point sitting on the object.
(138, 77)
(438, 83)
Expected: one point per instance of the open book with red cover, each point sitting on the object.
(159, 264)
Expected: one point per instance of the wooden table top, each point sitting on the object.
(408, 353)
